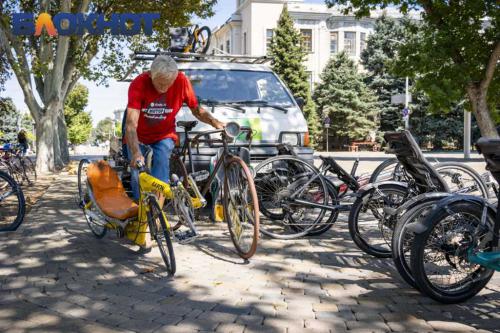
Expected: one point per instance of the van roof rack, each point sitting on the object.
(143, 56)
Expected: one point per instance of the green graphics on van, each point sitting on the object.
(254, 124)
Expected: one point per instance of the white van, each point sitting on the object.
(252, 95)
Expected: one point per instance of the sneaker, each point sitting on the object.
(184, 237)
(147, 247)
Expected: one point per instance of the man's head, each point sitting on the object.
(163, 72)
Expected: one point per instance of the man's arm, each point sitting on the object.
(202, 115)
(131, 135)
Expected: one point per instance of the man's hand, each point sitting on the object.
(204, 116)
(218, 124)
(137, 158)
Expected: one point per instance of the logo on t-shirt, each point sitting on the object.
(157, 110)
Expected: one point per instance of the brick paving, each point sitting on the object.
(56, 277)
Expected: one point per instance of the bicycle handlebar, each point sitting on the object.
(196, 139)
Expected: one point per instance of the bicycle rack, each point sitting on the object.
(145, 56)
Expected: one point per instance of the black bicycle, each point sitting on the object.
(455, 249)
(12, 204)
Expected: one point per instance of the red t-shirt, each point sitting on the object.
(158, 111)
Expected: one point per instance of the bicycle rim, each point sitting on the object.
(12, 204)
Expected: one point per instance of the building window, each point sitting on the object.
(244, 43)
(306, 39)
(228, 46)
(350, 42)
(269, 38)
(334, 41)
(362, 42)
(221, 47)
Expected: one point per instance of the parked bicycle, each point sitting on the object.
(12, 204)
(193, 39)
(455, 250)
(20, 167)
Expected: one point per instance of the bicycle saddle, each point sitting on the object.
(490, 148)
(109, 193)
(187, 125)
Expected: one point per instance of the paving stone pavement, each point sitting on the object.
(56, 277)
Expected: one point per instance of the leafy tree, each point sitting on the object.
(78, 121)
(288, 62)
(381, 49)
(9, 117)
(453, 53)
(344, 97)
(55, 64)
(104, 130)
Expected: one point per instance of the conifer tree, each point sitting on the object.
(343, 96)
(288, 62)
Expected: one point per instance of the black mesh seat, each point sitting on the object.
(408, 153)
(490, 148)
(187, 125)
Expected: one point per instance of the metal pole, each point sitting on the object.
(407, 118)
(327, 139)
(467, 126)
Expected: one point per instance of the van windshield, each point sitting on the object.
(233, 86)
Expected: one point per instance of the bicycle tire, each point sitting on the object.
(84, 198)
(178, 168)
(483, 188)
(419, 246)
(306, 171)
(403, 238)
(252, 215)
(383, 166)
(204, 48)
(354, 221)
(10, 183)
(155, 214)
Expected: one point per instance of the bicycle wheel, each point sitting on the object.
(439, 255)
(371, 223)
(160, 231)
(402, 238)
(29, 170)
(12, 204)
(177, 168)
(276, 179)
(390, 169)
(241, 207)
(90, 211)
(462, 179)
(202, 41)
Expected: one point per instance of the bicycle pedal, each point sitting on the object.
(185, 237)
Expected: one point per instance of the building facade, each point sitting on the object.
(325, 31)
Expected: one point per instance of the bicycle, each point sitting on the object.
(12, 204)
(190, 40)
(240, 204)
(20, 167)
(455, 249)
(106, 206)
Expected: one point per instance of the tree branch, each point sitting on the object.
(491, 67)
(22, 77)
(61, 57)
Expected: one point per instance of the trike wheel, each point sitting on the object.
(160, 231)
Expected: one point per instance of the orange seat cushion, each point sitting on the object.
(109, 192)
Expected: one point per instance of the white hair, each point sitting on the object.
(165, 66)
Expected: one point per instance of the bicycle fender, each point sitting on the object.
(427, 223)
(372, 186)
(424, 197)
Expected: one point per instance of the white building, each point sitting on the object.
(325, 31)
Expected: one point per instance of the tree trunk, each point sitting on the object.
(481, 111)
(63, 137)
(44, 143)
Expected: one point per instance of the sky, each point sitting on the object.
(104, 100)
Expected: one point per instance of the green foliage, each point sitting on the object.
(448, 52)
(9, 117)
(78, 121)
(287, 61)
(380, 51)
(104, 130)
(344, 97)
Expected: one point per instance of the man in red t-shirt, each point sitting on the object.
(154, 99)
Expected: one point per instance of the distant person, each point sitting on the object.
(22, 140)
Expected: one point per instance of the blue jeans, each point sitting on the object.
(160, 165)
